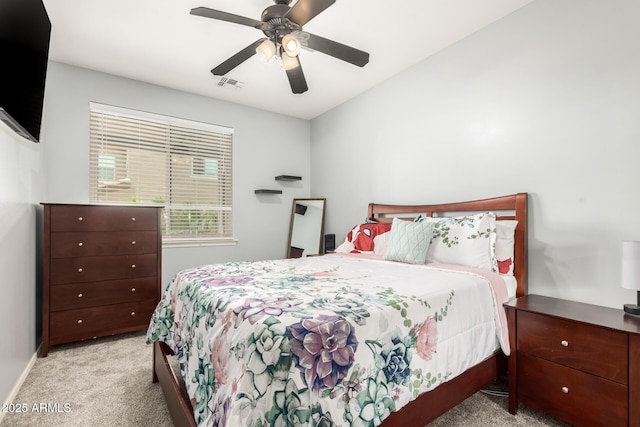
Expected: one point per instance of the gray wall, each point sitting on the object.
(264, 145)
(544, 101)
(20, 192)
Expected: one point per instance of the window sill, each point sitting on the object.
(188, 243)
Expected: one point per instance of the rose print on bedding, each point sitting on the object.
(426, 339)
(323, 349)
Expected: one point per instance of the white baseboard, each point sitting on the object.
(21, 380)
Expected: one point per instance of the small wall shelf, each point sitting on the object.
(265, 191)
(288, 178)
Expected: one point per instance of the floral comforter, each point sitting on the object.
(334, 340)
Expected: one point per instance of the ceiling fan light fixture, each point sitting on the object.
(291, 45)
(289, 62)
(267, 49)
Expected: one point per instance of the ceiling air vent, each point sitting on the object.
(230, 83)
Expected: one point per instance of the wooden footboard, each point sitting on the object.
(426, 408)
(177, 401)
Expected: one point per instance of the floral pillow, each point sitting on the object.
(368, 237)
(505, 240)
(464, 240)
(409, 241)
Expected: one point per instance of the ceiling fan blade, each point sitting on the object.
(305, 10)
(296, 77)
(229, 17)
(337, 50)
(237, 59)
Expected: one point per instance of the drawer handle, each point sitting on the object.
(133, 313)
(564, 343)
(79, 321)
(133, 219)
(565, 390)
(80, 244)
(80, 270)
(133, 289)
(133, 266)
(79, 295)
(133, 243)
(80, 218)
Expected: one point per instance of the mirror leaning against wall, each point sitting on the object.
(306, 228)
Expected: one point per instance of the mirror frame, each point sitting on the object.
(293, 215)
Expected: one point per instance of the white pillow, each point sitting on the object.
(464, 240)
(505, 241)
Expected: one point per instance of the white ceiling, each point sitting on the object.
(158, 41)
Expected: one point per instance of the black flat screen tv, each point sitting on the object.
(25, 31)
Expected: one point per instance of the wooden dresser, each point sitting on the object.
(101, 270)
(577, 362)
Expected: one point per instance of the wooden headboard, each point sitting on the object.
(505, 207)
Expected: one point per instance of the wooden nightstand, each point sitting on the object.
(577, 362)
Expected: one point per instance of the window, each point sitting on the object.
(106, 167)
(138, 157)
(205, 167)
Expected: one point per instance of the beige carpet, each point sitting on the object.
(107, 382)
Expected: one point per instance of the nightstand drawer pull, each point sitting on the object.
(565, 390)
(133, 243)
(133, 219)
(79, 321)
(80, 244)
(133, 266)
(133, 313)
(564, 343)
(79, 218)
(80, 270)
(79, 295)
(133, 289)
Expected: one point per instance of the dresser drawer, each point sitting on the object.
(81, 295)
(575, 396)
(73, 325)
(102, 218)
(92, 243)
(591, 349)
(101, 268)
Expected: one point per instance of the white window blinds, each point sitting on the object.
(138, 157)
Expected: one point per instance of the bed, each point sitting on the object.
(391, 330)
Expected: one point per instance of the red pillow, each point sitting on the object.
(362, 236)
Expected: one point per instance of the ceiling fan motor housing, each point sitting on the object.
(273, 15)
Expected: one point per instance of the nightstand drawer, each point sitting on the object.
(591, 349)
(102, 218)
(82, 295)
(73, 325)
(93, 243)
(577, 397)
(99, 268)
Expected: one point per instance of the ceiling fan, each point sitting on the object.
(282, 26)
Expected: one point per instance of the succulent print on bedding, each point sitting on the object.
(273, 344)
(269, 353)
(323, 349)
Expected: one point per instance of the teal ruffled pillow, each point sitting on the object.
(409, 241)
